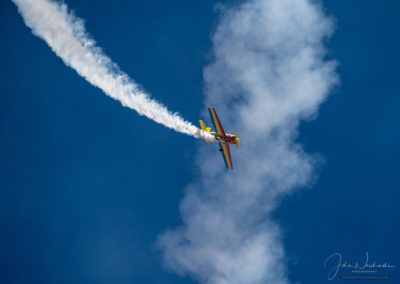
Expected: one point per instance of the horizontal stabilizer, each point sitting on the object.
(204, 128)
(203, 125)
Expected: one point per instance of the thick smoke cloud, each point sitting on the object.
(268, 73)
(66, 36)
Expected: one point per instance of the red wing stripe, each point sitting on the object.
(216, 121)
(228, 157)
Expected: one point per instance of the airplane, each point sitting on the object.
(223, 138)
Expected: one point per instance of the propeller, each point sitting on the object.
(237, 142)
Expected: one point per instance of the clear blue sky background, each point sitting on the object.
(83, 195)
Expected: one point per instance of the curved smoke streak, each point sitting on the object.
(66, 36)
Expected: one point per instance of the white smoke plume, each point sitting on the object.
(66, 36)
(268, 73)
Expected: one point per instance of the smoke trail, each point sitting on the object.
(66, 36)
(267, 74)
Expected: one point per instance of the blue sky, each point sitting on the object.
(84, 197)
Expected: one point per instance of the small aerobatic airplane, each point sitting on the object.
(223, 138)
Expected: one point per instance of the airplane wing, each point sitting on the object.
(226, 154)
(216, 122)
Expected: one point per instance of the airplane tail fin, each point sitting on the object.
(204, 128)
